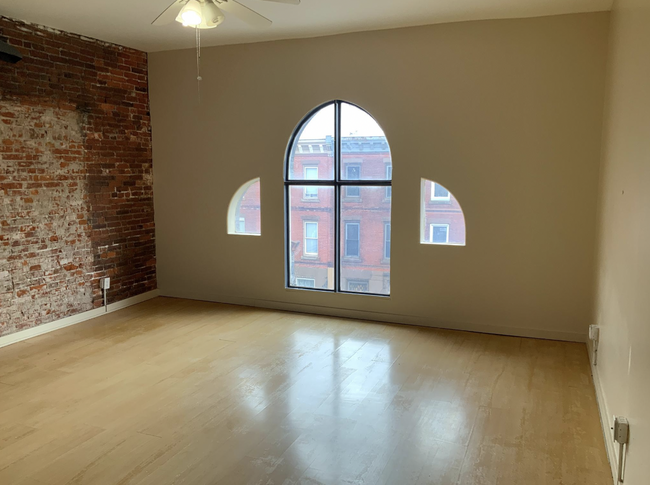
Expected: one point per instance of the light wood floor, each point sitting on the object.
(180, 392)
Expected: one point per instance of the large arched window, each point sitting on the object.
(338, 202)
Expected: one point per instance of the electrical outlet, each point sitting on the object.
(594, 336)
(621, 430)
(105, 283)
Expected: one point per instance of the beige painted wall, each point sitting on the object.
(506, 114)
(623, 303)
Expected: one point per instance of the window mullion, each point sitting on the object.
(337, 197)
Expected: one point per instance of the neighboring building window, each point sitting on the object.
(306, 282)
(352, 240)
(439, 234)
(358, 286)
(438, 192)
(442, 224)
(311, 173)
(387, 241)
(389, 176)
(311, 238)
(353, 172)
(331, 191)
(244, 211)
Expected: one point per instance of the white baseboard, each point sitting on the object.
(73, 320)
(605, 416)
(386, 317)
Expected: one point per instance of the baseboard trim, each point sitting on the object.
(605, 415)
(75, 319)
(385, 317)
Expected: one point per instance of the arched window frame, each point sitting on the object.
(338, 183)
(426, 230)
(234, 207)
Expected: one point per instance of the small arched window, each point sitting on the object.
(244, 212)
(441, 217)
(338, 182)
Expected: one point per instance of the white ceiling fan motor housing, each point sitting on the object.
(211, 15)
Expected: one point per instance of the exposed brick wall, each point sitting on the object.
(75, 176)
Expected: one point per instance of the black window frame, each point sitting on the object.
(339, 185)
(389, 190)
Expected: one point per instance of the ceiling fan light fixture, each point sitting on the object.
(191, 14)
(212, 16)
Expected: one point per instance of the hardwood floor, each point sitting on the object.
(180, 392)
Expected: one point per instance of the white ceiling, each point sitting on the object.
(128, 22)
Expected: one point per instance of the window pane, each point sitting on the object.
(311, 246)
(311, 230)
(364, 267)
(247, 212)
(387, 240)
(352, 192)
(439, 234)
(439, 192)
(365, 153)
(358, 286)
(311, 192)
(442, 218)
(353, 172)
(352, 231)
(352, 239)
(311, 173)
(306, 282)
(311, 227)
(314, 147)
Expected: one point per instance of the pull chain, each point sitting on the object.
(198, 61)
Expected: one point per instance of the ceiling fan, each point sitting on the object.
(207, 14)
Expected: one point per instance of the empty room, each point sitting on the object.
(281, 242)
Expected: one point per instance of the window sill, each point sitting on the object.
(310, 200)
(334, 292)
(442, 244)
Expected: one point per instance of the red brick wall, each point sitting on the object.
(75, 176)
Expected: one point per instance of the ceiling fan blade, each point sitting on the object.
(251, 17)
(170, 13)
(291, 2)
